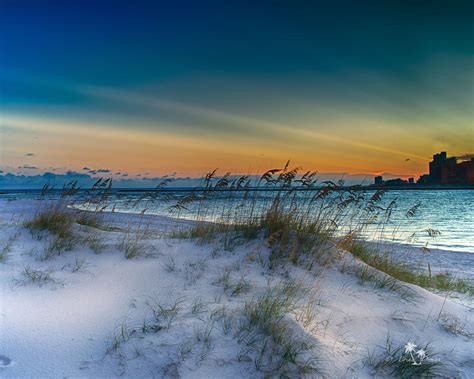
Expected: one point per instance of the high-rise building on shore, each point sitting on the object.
(442, 170)
(447, 170)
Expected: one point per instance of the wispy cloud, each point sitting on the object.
(28, 167)
(249, 124)
(346, 142)
(100, 171)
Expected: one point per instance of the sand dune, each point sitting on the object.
(179, 310)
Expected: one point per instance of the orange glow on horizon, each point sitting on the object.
(71, 145)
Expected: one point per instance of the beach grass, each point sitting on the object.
(301, 219)
(36, 276)
(403, 273)
(295, 213)
(265, 329)
(397, 361)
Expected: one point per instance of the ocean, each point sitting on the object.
(444, 219)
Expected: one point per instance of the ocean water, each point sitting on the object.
(449, 212)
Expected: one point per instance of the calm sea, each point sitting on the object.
(451, 212)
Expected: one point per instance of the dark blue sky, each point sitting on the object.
(119, 42)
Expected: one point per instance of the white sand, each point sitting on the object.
(64, 328)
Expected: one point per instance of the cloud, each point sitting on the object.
(27, 167)
(466, 157)
(20, 181)
(236, 120)
(75, 174)
(98, 171)
(86, 168)
(30, 154)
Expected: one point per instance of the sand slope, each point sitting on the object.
(66, 327)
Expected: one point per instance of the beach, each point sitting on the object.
(236, 189)
(178, 308)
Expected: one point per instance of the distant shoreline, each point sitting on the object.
(406, 187)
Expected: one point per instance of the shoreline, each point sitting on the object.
(369, 187)
(402, 245)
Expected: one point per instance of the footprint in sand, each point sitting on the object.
(5, 361)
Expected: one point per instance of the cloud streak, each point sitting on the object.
(249, 124)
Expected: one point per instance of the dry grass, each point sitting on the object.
(297, 215)
(399, 271)
(35, 276)
(55, 218)
(301, 219)
(6, 248)
(455, 325)
(89, 219)
(264, 331)
(58, 222)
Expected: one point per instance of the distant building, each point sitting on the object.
(444, 170)
(395, 182)
(439, 160)
(378, 181)
(424, 179)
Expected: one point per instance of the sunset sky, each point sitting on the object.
(184, 87)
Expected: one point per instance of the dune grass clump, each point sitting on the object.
(455, 325)
(5, 249)
(88, 219)
(165, 314)
(120, 337)
(131, 246)
(95, 242)
(55, 220)
(380, 280)
(76, 266)
(264, 331)
(133, 243)
(401, 272)
(58, 222)
(35, 276)
(232, 287)
(295, 213)
(406, 362)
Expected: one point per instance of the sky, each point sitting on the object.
(143, 89)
